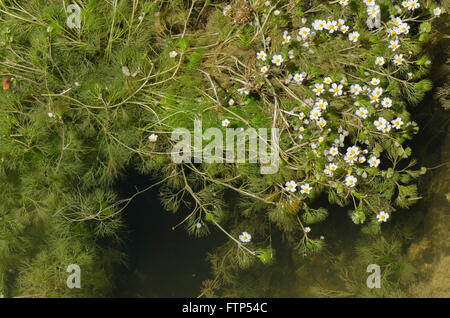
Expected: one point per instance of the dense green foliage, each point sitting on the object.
(81, 104)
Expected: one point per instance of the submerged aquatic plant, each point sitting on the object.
(335, 85)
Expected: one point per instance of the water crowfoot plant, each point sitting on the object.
(334, 79)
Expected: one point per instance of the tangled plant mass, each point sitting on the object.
(334, 77)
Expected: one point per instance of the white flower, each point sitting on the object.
(225, 122)
(267, 3)
(231, 102)
(291, 186)
(307, 229)
(397, 123)
(245, 237)
(319, 25)
(301, 116)
(437, 11)
(318, 89)
(306, 189)
(344, 28)
(321, 122)
(335, 89)
(393, 31)
(51, 115)
(362, 112)
(397, 21)
(379, 61)
(331, 26)
(374, 162)
(243, 90)
(369, 2)
(173, 54)
(264, 69)
(322, 104)
(398, 59)
(373, 10)
(394, 45)
(361, 159)
(374, 98)
(377, 91)
(276, 12)
(304, 32)
(353, 36)
(386, 102)
(354, 151)
(366, 90)
(350, 181)
(343, 2)
(380, 123)
(277, 59)
(413, 4)
(382, 216)
(333, 151)
(355, 89)
(386, 128)
(299, 77)
(261, 55)
(403, 28)
(375, 81)
(286, 38)
(350, 159)
(198, 225)
(327, 80)
(315, 113)
(153, 137)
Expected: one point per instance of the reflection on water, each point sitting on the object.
(162, 262)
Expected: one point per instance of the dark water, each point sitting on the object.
(162, 262)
